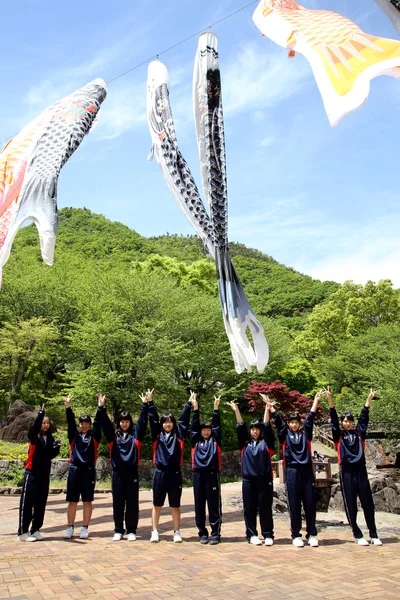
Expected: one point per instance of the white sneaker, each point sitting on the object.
(268, 542)
(84, 534)
(177, 537)
(154, 536)
(26, 537)
(312, 541)
(255, 540)
(37, 535)
(117, 537)
(362, 541)
(69, 532)
(298, 542)
(376, 542)
(131, 537)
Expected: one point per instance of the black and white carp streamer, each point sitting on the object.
(392, 9)
(211, 225)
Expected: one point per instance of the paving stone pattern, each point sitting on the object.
(100, 568)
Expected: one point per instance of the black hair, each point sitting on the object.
(168, 417)
(85, 418)
(348, 414)
(125, 415)
(205, 425)
(49, 432)
(293, 417)
(255, 424)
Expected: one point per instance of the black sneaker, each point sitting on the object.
(204, 539)
(214, 541)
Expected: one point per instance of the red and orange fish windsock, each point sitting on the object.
(31, 162)
(343, 58)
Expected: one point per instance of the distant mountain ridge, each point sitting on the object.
(273, 289)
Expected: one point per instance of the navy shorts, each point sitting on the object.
(81, 482)
(169, 482)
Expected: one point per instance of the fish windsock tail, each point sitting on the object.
(238, 317)
(343, 74)
(38, 203)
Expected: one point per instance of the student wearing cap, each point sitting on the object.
(206, 465)
(300, 481)
(349, 442)
(257, 445)
(84, 442)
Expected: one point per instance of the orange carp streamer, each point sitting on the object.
(343, 58)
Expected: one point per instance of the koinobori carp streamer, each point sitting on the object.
(30, 164)
(210, 226)
(343, 58)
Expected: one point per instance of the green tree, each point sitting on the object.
(349, 312)
(26, 350)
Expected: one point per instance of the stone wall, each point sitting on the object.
(59, 468)
(385, 492)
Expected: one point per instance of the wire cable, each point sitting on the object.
(144, 62)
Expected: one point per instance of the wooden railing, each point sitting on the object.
(324, 435)
(278, 468)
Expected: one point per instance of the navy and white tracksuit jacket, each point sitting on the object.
(168, 457)
(206, 465)
(300, 481)
(353, 471)
(125, 459)
(257, 479)
(35, 488)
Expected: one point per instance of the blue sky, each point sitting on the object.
(322, 200)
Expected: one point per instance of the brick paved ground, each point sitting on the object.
(99, 568)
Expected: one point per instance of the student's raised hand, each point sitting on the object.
(327, 392)
(193, 400)
(101, 399)
(372, 394)
(149, 395)
(217, 402)
(233, 406)
(67, 401)
(40, 408)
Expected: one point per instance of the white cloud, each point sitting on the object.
(310, 241)
(269, 140)
(256, 80)
(123, 110)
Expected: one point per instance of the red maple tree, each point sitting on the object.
(287, 401)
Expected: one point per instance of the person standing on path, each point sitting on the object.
(257, 446)
(35, 488)
(300, 481)
(84, 442)
(349, 442)
(168, 437)
(206, 465)
(125, 443)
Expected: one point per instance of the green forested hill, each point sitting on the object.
(118, 313)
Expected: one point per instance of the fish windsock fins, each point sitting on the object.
(238, 317)
(342, 56)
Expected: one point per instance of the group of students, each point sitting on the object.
(257, 446)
